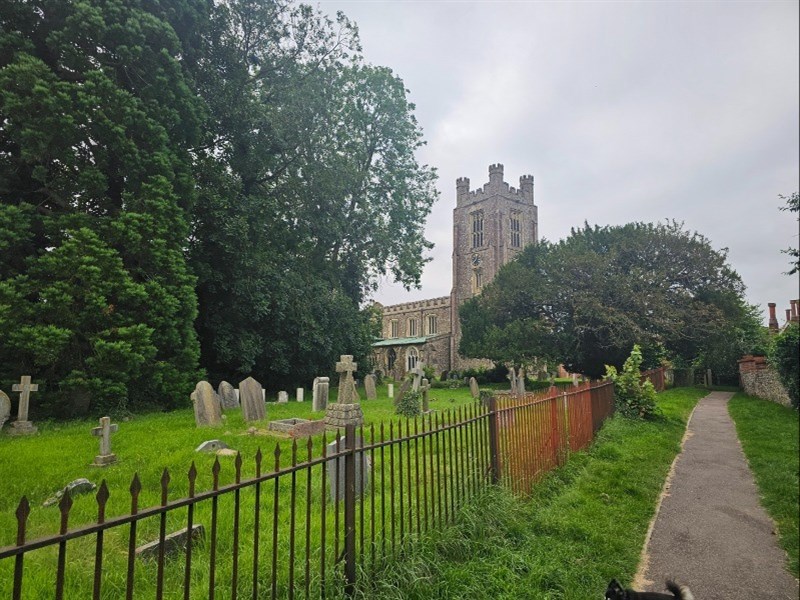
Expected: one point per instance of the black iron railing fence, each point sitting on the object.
(309, 523)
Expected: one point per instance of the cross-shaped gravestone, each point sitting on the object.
(347, 386)
(106, 457)
(22, 426)
(418, 374)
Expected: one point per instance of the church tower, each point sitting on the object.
(491, 225)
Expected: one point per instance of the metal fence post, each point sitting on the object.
(350, 509)
(494, 445)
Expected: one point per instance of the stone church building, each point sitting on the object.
(490, 226)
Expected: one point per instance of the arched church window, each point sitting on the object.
(412, 358)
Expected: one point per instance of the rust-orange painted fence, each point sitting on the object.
(536, 432)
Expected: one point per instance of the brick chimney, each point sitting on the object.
(773, 320)
(788, 315)
(795, 315)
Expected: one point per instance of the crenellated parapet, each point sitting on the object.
(495, 186)
(442, 302)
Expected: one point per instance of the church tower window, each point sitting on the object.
(516, 231)
(393, 329)
(477, 229)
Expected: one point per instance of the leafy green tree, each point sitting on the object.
(586, 300)
(318, 193)
(785, 357)
(792, 205)
(96, 119)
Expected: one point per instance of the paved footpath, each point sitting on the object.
(711, 533)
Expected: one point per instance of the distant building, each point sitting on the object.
(491, 225)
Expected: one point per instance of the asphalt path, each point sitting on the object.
(711, 533)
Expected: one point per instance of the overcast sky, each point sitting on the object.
(621, 111)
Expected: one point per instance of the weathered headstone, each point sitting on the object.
(206, 405)
(369, 387)
(283, 397)
(5, 408)
(575, 381)
(104, 431)
(211, 446)
(390, 390)
(227, 396)
(709, 378)
(418, 374)
(473, 387)
(300, 392)
(521, 382)
(22, 426)
(336, 475)
(320, 396)
(251, 396)
(426, 407)
(404, 389)
(173, 542)
(75, 487)
(347, 386)
(512, 377)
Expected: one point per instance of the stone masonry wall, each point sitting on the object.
(759, 379)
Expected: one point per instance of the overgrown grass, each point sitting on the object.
(769, 436)
(583, 525)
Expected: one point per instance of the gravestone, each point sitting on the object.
(390, 390)
(173, 542)
(418, 374)
(76, 487)
(227, 396)
(22, 426)
(347, 386)
(320, 395)
(206, 405)
(521, 382)
(404, 389)
(336, 475)
(346, 410)
(251, 396)
(5, 408)
(212, 446)
(512, 377)
(106, 457)
(575, 381)
(473, 388)
(300, 392)
(369, 387)
(283, 397)
(426, 407)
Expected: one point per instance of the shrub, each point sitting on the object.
(633, 398)
(409, 405)
(785, 357)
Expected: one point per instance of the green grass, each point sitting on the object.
(769, 436)
(39, 465)
(584, 524)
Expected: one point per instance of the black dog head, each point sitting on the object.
(615, 591)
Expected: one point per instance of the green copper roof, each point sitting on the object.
(401, 341)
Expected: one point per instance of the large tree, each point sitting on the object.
(319, 194)
(586, 300)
